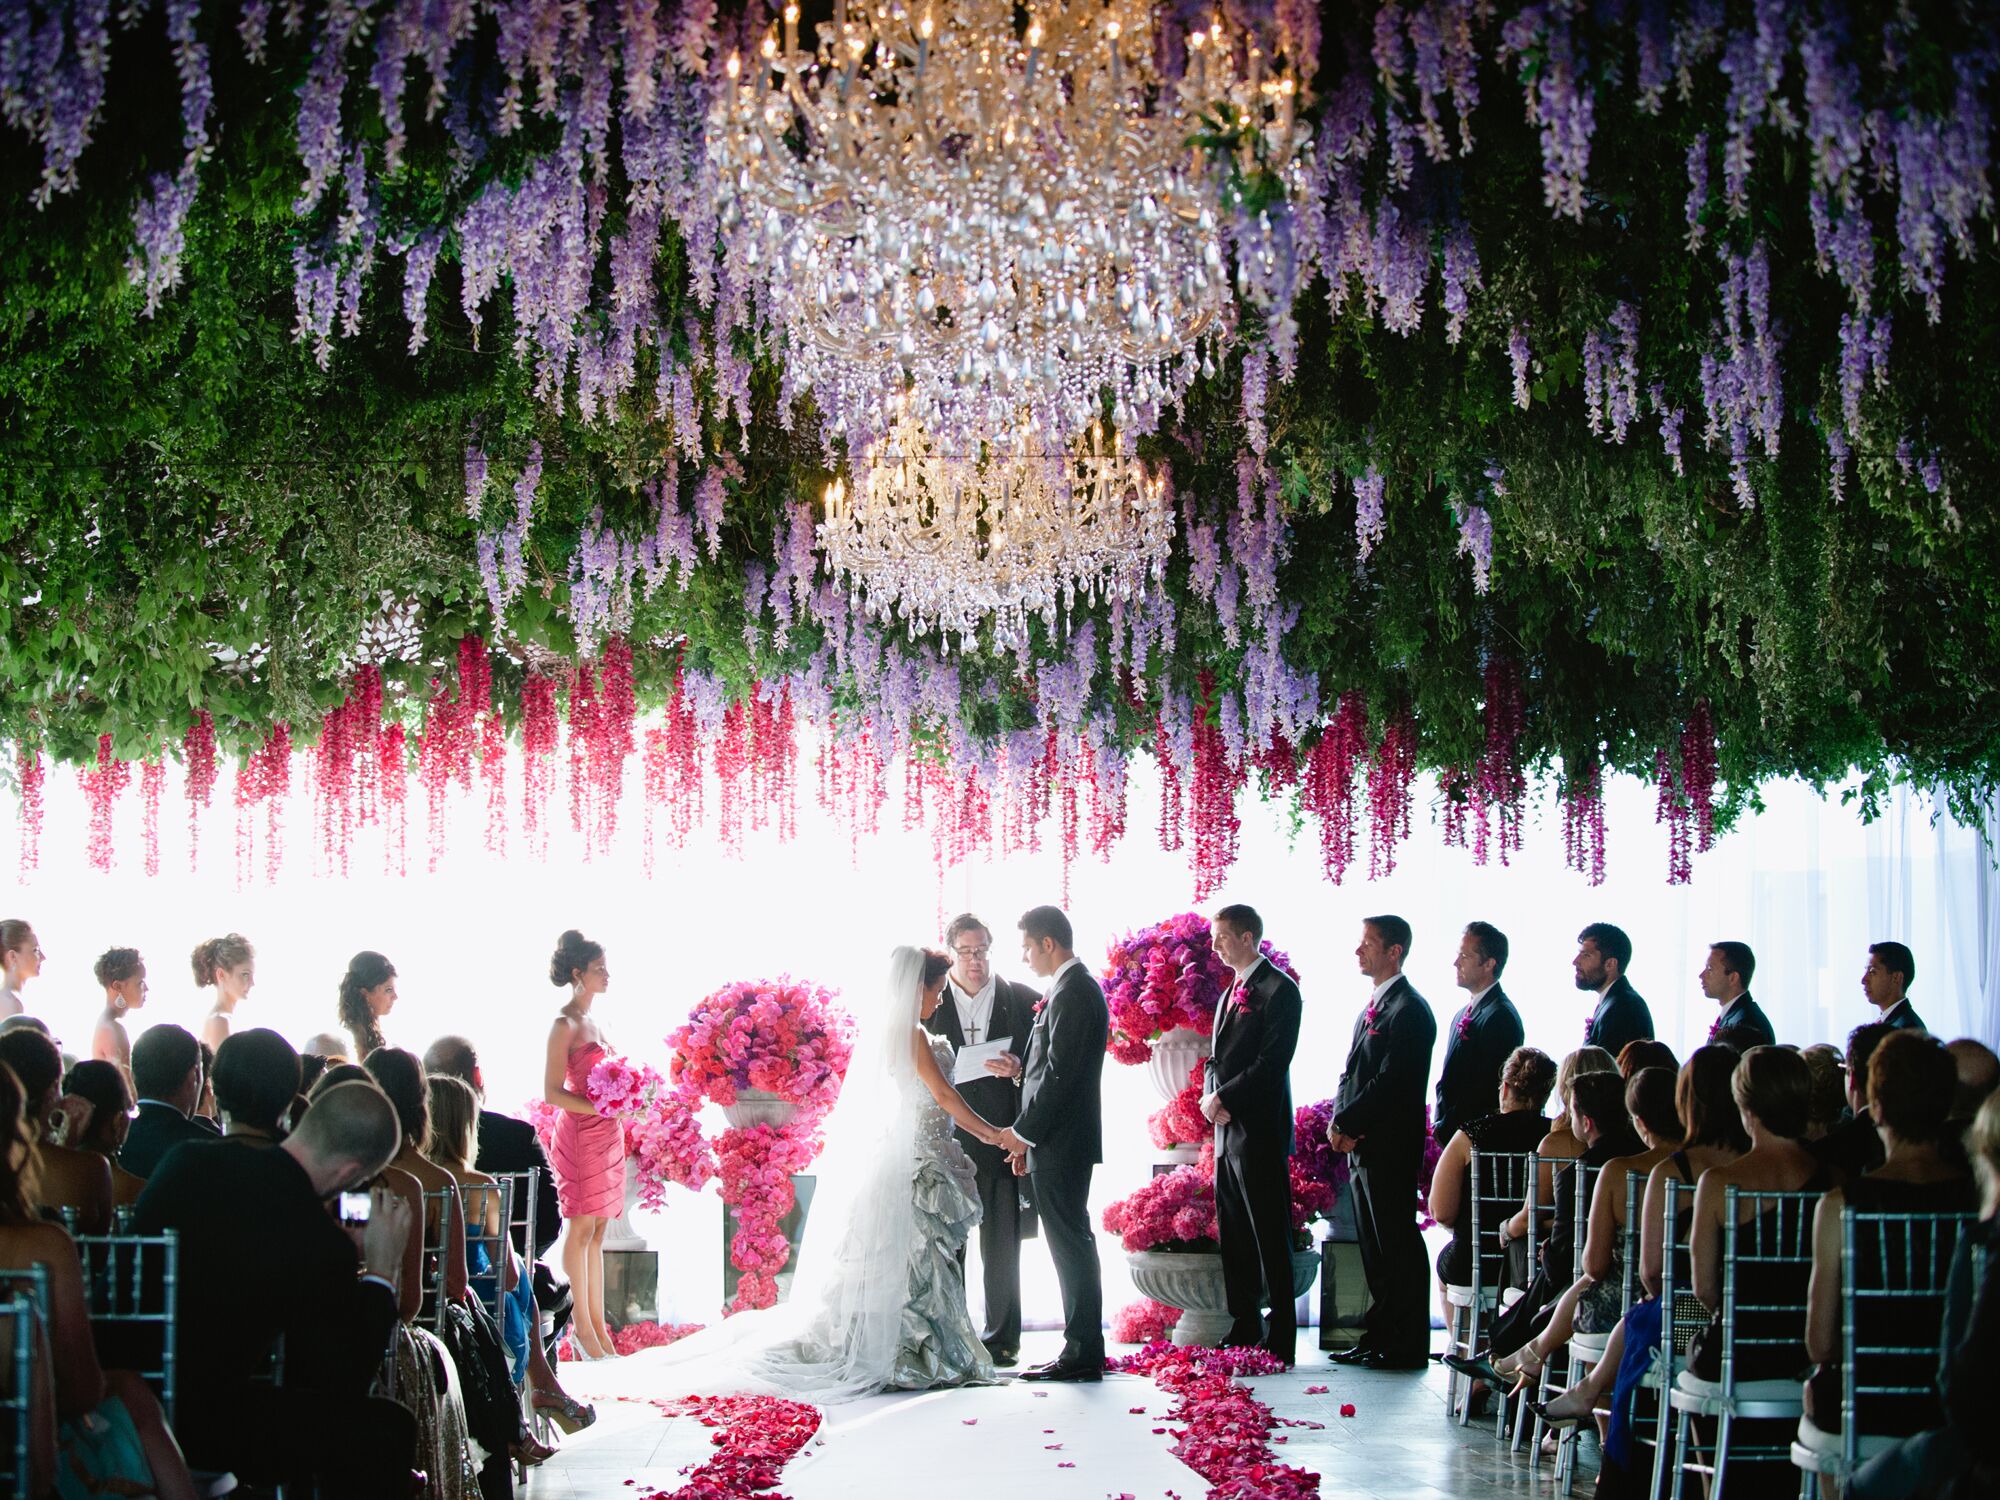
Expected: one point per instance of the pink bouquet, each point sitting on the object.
(783, 1036)
(1174, 1211)
(1164, 977)
(661, 1136)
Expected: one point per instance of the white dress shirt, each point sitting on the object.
(975, 1012)
(1375, 996)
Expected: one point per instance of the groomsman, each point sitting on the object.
(1891, 970)
(1058, 1137)
(1483, 1034)
(1249, 1101)
(1603, 953)
(1379, 1118)
(1725, 979)
(982, 1008)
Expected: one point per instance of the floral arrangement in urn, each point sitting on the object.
(1319, 1173)
(1143, 1322)
(1181, 1122)
(1164, 977)
(783, 1036)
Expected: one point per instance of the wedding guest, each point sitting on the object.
(587, 1150)
(107, 1423)
(1561, 1142)
(506, 1145)
(228, 964)
(1978, 1076)
(1379, 1121)
(1603, 954)
(1891, 970)
(330, 1045)
(1248, 1099)
(1525, 1081)
(122, 973)
(256, 1079)
(401, 1076)
(1482, 1037)
(20, 960)
(70, 1178)
(1058, 1137)
(1829, 1091)
(1637, 1056)
(983, 1008)
(1725, 979)
(1910, 1081)
(103, 1086)
(166, 1075)
(261, 1257)
(1853, 1146)
(367, 994)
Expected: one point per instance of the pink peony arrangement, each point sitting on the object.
(1144, 1322)
(757, 1167)
(783, 1036)
(1174, 1211)
(1181, 1122)
(1319, 1173)
(1164, 977)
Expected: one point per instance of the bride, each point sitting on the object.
(879, 1299)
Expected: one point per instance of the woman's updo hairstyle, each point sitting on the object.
(936, 966)
(365, 971)
(400, 1075)
(217, 954)
(574, 952)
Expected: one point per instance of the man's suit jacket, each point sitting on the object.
(1903, 1016)
(1388, 1063)
(260, 1255)
(998, 1100)
(1621, 1017)
(1061, 1099)
(510, 1145)
(1256, 1033)
(157, 1130)
(1482, 1037)
(1747, 1016)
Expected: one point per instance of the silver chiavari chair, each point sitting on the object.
(24, 1299)
(1585, 1349)
(1767, 1253)
(132, 1285)
(1683, 1315)
(439, 1206)
(1531, 1242)
(1894, 1272)
(1499, 1183)
(476, 1199)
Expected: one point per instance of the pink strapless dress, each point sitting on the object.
(588, 1151)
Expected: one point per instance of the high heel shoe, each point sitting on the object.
(529, 1452)
(563, 1409)
(1565, 1410)
(1523, 1362)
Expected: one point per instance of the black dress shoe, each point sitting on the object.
(1059, 1370)
(1378, 1359)
(1243, 1336)
(1357, 1355)
(1004, 1359)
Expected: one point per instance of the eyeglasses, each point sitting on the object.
(977, 954)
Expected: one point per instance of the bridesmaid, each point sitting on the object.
(20, 960)
(229, 964)
(122, 972)
(588, 1150)
(367, 994)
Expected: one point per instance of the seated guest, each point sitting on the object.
(1891, 970)
(1725, 979)
(122, 973)
(107, 1422)
(69, 1178)
(1637, 1056)
(1560, 1143)
(261, 1257)
(103, 1086)
(1910, 1079)
(1598, 1119)
(1525, 1082)
(167, 1077)
(330, 1045)
(1978, 1075)
(1828, 1106)
(506, 1145)
(1853, 1146)
(256, 1079)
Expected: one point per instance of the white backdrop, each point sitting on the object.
(1805, 882)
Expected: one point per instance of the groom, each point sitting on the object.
(1058, 1135)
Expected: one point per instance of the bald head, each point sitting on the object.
(1978, 1075)
(350, 1134)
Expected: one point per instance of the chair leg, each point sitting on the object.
(1721, 1455)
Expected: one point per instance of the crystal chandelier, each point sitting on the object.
(989, 213)
(947, 543)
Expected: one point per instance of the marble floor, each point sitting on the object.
(969, 1445)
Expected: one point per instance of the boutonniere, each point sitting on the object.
(1464, 1027)
(1715, 1028)
(1040, 1006)
(1368, 1018)
(1589, 1026)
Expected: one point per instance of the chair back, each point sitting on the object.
(24, 1299)
(1634, 1202)
(1586, 1184)
(1895, 1269)
(132, 1284)
(1767, 1257)
(497, 1242)
(1499, 1181)
(527, 1205)
(438, 1207)
(1685, 1314)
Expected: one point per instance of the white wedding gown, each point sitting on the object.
(879, 1299)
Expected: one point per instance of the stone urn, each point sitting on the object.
(759, 1107)
(1192, 1281)
(1186, 1154)
(619, 1233)
(1174, 1057)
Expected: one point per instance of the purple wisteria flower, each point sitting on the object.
(1370, 521)
(1475, 540)
(1518, 357)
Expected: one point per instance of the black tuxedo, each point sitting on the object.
(508, 1145)
(997, 1100)
(1062, 1119)
(260, 1256)
(1746, 1016)
(1621, 1017)
(156, 1131)
(1903, 1017)
(1381, 1100)
(1483, 1036)
(1250, 1074)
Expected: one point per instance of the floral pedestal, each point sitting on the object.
(1174, 1057)
(792, 1226)
(759, 1107)
(1192, 1281)
(619, 1233)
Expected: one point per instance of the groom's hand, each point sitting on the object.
(1012, 1144)
(1019, 1163)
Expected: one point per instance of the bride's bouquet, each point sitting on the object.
(783, 1036)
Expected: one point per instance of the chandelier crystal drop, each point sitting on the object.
(978, 210)
(1009, 534)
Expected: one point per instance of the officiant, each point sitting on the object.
(981, 1009)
